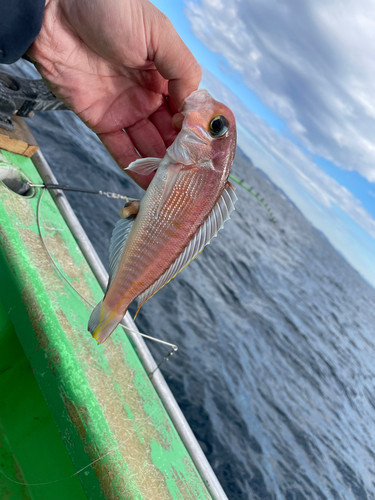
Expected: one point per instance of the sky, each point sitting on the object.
(300, 79)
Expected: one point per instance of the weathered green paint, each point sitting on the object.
(100, 400)
(31, 446)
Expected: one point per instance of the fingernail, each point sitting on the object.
(177, 120)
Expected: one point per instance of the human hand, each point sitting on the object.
(114, 62)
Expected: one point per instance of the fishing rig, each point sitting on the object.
(21, 97)
(108, 195)
(255, 194)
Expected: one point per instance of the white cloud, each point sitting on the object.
(315, 193)
(312, 63)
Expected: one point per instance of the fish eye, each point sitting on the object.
(219, 126)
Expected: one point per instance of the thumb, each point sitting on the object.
(175, 62)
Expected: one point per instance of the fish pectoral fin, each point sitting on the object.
(208, 230)
(144, 166)
(118, 240)
(172, 174)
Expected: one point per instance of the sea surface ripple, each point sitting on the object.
(275, 370)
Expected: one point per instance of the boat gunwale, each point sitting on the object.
(175, 413)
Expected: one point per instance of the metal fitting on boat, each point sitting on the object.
(21, 96)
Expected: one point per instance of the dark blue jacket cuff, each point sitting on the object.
(20, 23)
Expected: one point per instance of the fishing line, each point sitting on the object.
(61, 479)
(138, 428)
(81, 190)
(174, 347)
(256, 195)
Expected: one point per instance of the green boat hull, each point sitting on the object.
(65, 402)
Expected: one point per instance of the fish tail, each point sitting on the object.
(102, 322)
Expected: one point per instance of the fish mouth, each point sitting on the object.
(195, 101)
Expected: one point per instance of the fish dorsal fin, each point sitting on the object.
(119, 236)
(144, 166)
(208, 230)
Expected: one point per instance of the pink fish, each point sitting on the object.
(185, 205)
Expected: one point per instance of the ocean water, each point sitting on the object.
(276, 364)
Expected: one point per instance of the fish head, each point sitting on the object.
(208, 134)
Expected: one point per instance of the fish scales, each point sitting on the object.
(185, 205)
(191, 201)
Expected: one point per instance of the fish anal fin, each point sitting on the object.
(208, 230)
(137, 311)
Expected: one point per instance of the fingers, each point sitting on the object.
(146, 139)
(177, 121)
(162, 119)
(120, 147)
(123, 152)
(174, 61)
(142, 137)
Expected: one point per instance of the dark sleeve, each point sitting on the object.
(20, 23)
